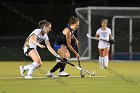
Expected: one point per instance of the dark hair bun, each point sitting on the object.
(73, 20)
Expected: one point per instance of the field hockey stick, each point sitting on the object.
(110, 41)
(81, 69)
(81, 72)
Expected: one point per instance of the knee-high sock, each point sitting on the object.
(33, 66)
(63, 65)
(101, 60)
(26, 67)
(57, 66)
(106, 61)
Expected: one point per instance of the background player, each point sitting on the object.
(31, 43)
(104, 33)
(63, 41)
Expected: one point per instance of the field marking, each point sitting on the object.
(88, 76)
(6, 78)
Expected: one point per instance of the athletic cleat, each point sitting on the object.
(21, 71)
(28, 77)
(51, 75)
(63, 74)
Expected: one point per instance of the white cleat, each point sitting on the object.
(51, 75)
(63, 74)
(28, 77)
(21, 71)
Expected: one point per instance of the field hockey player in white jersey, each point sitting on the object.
(104, 35)
(30, 45)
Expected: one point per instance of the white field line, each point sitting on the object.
(6, 78)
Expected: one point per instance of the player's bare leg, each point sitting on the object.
(64, 53)
(105, 52)
(37, 62)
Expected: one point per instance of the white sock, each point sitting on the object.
(26, 67)
(101, 62)
(33, 66)
(106, 61)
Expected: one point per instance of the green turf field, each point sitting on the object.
(121, 77)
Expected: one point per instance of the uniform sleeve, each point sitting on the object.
(36, 32)
(97, 33)
(46, 37)
(109, 31)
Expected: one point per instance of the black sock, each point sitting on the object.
(57, 66)
(63, 65)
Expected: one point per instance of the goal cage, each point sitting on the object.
(125, 25)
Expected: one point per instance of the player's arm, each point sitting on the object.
(51, 49)
(68, 38)
(97, 36)
(111, 40)
(110, 37)
(33, 40)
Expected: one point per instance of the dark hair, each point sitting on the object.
(73, 20)
(43, 23)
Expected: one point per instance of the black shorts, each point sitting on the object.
(28, 50)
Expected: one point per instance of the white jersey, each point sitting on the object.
(103, 34)
(39, 38)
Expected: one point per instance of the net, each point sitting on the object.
(124, 22)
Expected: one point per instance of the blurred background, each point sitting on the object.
(18, 18)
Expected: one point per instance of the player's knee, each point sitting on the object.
(39, 62)
(64, 60)
(68, 55)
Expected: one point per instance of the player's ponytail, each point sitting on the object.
(73, 20)
(43, 23)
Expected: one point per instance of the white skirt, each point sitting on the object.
(103, 44)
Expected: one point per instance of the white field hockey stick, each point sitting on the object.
(76, 48)
(81, 69)
(81, 74)
(110, 41)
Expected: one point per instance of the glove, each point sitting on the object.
(64, 60)
(57, 57)
(61, 60)
(112, 41)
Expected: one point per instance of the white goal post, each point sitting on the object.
(89, 22)
(130, 18)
